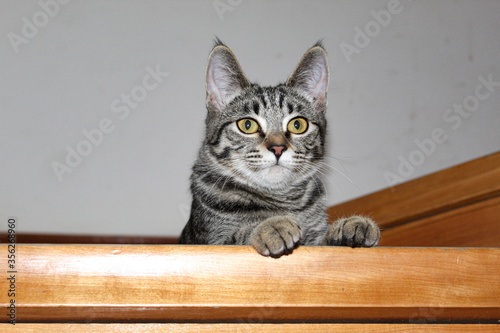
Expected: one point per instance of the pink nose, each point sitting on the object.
(277, 149)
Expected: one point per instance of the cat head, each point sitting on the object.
(269, 137)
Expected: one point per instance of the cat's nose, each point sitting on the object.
(277, 149)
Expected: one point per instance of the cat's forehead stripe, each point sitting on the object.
(281, 98)
(260, 93)
(256, 107)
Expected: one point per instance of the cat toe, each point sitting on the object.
(360, 231)
(355, 231)
(277, 236)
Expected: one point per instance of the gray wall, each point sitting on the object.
(399, 97)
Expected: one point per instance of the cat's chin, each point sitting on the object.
(277, 170)
(276, 176)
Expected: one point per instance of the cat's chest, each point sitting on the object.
(267, 203)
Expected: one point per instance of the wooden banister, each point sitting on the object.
(439, 192)
(258, 328)
(233, 284)
(472, 225)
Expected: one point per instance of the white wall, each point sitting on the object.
(66, 76)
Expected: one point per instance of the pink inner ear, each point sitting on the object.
(321, 99)
(213, 100)
(213, 92)
(311, 76)
(319, 82)
(220, 82)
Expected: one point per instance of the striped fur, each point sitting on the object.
(244, 190)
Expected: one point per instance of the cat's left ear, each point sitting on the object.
(225, 78)
(311, 76)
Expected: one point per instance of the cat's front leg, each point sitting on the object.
(354, 231)
(276, 236)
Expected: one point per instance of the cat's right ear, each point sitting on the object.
(225, 78)
(311, 76)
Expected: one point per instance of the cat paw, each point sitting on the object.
(354, 231)
(276, 236)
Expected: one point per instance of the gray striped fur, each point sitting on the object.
(244, 191)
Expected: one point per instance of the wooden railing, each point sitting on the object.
(459, 206)
(158, 288)
(233, 284)
(258, 328)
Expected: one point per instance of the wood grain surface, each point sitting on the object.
(445, 190)
(273, 328)
(141, 283)
(474, 225)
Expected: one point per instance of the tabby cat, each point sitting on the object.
(256, 180)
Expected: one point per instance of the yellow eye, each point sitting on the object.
(248, 126)
(297, 126)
